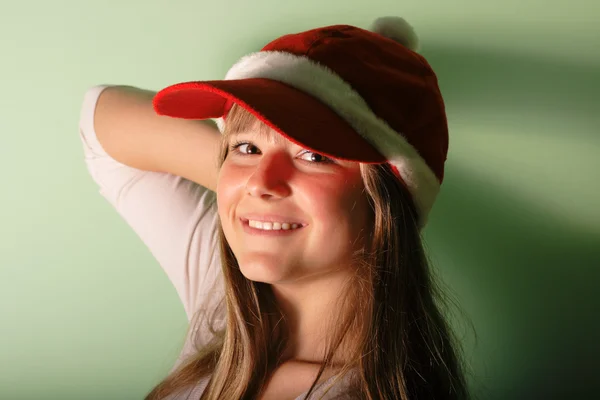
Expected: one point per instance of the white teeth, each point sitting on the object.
(255, 224)
(275, 226)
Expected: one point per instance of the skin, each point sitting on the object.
(306, 268)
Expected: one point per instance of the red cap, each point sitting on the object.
(341, 91)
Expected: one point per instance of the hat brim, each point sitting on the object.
(296, 115)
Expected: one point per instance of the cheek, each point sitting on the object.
(338, 205)
(228, 191)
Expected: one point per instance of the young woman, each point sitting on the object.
(293, 235)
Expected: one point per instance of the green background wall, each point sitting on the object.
(87, 313)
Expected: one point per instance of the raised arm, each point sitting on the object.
(132, 133)
(174, 215)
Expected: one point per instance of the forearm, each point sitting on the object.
(132, 133)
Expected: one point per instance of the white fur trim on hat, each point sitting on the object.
(324, 84)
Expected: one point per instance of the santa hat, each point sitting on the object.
(341, 91)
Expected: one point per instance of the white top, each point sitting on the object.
(176, 219)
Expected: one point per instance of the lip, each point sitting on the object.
(271, 218)
(273, 233)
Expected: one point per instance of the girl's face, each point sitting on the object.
(289, 214)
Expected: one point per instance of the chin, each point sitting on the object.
(262, 271)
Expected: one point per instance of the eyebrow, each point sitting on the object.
(271, 135)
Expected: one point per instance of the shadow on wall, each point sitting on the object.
(530, 282)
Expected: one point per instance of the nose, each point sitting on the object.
(270, 178)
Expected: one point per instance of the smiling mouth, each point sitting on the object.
(268, 227)
(275, 226)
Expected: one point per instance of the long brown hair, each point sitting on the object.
(393, 308)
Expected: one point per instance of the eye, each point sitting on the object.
(244, 148)
(315, 157)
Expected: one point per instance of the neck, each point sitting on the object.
(311, 310)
